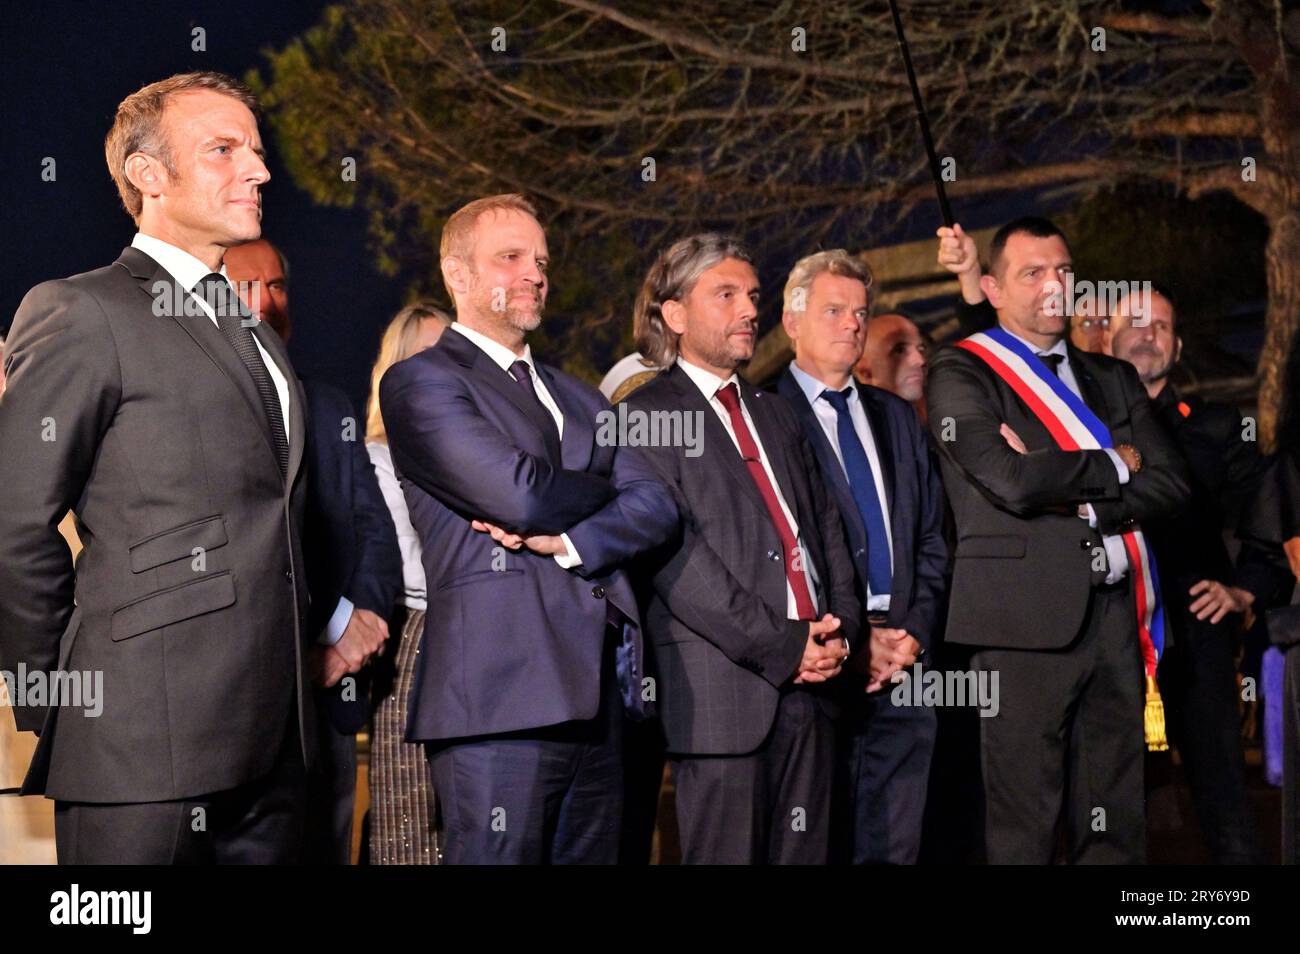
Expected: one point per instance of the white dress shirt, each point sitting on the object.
(503, 357)
(189, 271)
(408, 541)
(710, 384)
(1116, 555)
(829, 419)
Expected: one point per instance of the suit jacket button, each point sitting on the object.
(1085, 544)
(598, 592)
(860, 552)
(288, 575)
(774, 556)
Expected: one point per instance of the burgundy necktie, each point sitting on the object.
(730, 398)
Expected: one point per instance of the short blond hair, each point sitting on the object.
(837, 261)
(137, 126)
(459, 227)
(397, 344)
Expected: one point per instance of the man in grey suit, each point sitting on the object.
(170, 422)
(753, 606)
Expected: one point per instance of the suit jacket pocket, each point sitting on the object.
(177, 543)
(172, 605)
(1011, 545)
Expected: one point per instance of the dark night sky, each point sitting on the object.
(67, 65)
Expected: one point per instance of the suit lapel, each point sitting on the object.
(579, 433)
(883, 441)
(1094, 395)
(715, 435)
(491, 374)
(158, 285)
(297, 422)
(776, 446)
(789, 389)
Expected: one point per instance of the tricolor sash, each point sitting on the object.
(1074, 426)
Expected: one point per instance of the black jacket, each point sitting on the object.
(1024, 560)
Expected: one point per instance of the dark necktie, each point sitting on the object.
(524, 378)
(1053, 362)
(226, 305)
(857, 467)
(730, 397)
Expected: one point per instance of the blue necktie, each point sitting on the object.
(863, 485)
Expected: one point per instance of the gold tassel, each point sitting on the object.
(1153, 719)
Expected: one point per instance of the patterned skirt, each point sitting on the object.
(402, 807)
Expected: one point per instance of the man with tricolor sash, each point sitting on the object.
(1052, 460)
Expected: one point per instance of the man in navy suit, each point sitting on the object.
(532, 646)
(354, 568)
(874, 459)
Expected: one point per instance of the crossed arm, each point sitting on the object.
(444, 444)
(963, 414)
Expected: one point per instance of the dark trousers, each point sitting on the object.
(259, 823)
(771, 806)
(1198, 681)
(953, 830)
(643, 775)
(541, 796)
(1067, 744)
(332, 791)
(884, 753)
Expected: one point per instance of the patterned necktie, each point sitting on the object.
(524, 378)
(226, 305)
(862, 483)
(729, 395)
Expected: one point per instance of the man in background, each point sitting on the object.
(894, 358)
(354, 571)
(1205, 596)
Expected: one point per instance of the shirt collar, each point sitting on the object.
(1058, 348)
(708, 382)
(812, 388)
(180, 264)
(499, 353)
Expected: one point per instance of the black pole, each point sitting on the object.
(944, 208)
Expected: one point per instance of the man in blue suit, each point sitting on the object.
(874, 458)
(532, 646)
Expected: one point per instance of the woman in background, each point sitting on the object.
(402, 808)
